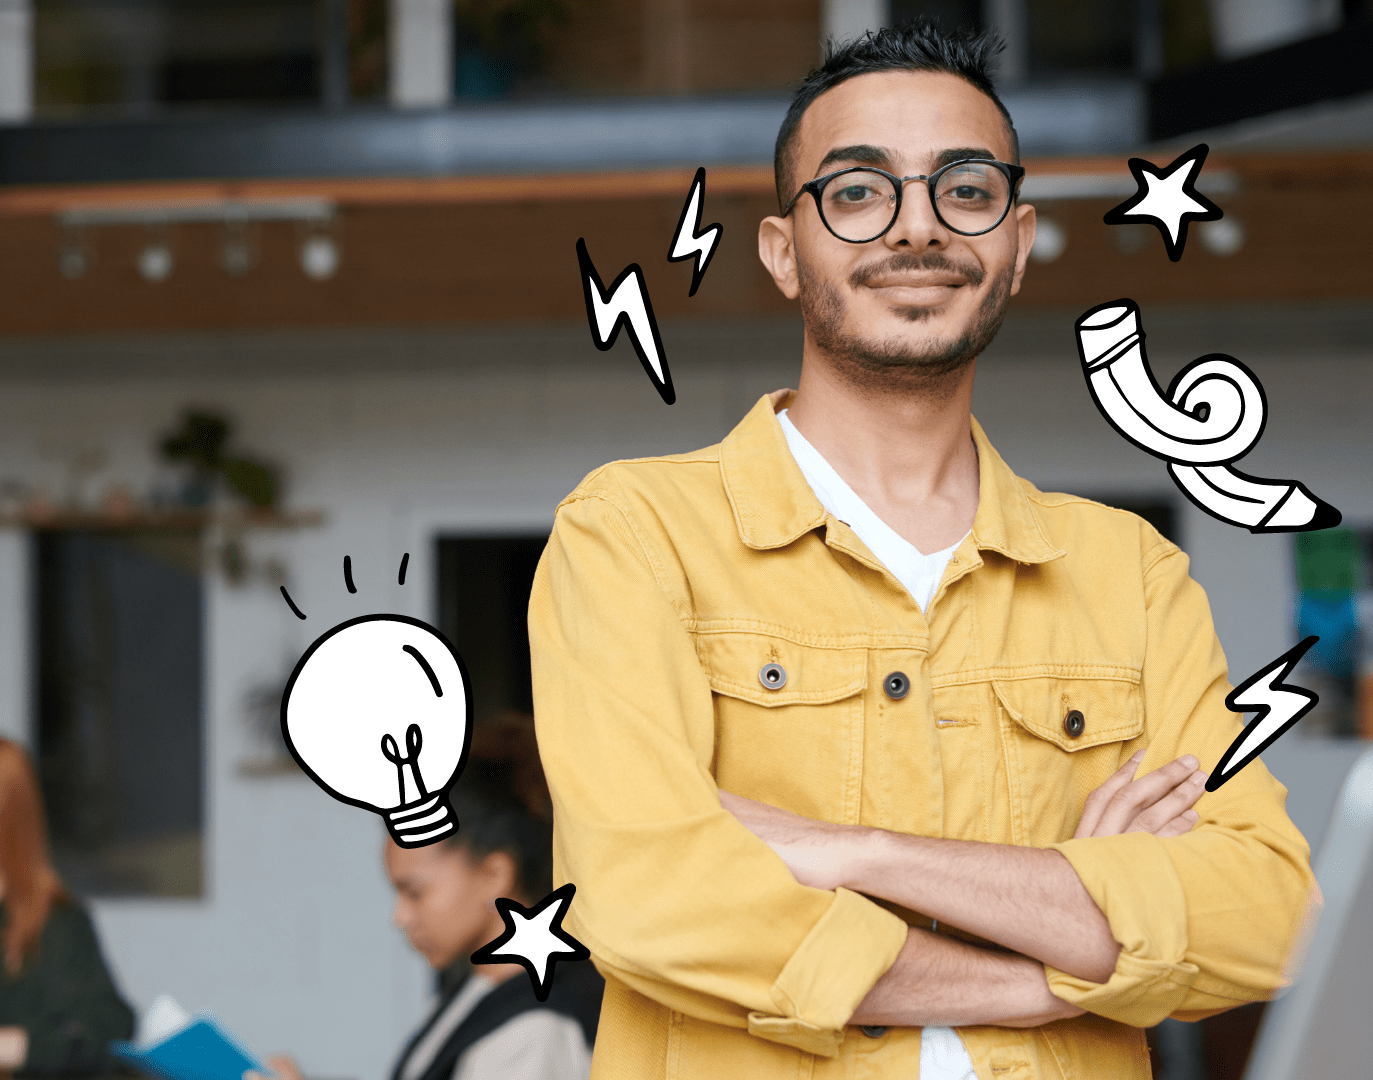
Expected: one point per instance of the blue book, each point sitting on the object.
(200, 1051)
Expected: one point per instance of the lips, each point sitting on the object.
(916, 283)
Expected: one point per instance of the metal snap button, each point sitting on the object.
(873, 1031)
(773, 676)
(896, 685)
(1074, 723)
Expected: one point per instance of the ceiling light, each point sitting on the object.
(1223, 237)
(1051, 240)
(319, 257)
(155, 262)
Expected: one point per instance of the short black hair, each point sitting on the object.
(493, 817)
(919, 45)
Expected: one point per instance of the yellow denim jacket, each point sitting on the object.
(669, 583)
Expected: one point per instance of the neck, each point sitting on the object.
(907, 453)
(497, 973)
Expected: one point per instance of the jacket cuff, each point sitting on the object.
(829, 975)
(1133, 881)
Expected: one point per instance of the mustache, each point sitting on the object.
(905, 261)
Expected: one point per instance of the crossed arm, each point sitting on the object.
(1027, 900)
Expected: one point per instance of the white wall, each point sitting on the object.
(1241, 27)
(16, 60)
(421, 43)
(401, 436)
(843, 20)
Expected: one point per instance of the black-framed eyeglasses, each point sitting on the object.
(861, 204)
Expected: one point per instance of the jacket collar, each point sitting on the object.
(774, 505)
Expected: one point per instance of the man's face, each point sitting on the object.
(919, 303)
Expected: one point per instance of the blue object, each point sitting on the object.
(1336, 623)
(202, 1051)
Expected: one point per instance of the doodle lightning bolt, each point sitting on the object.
(625, 304)
(1278, 705)
(691, 239)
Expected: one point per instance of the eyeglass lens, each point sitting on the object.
(969, 198)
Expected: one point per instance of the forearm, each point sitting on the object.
(1029, 900)
(940, 981)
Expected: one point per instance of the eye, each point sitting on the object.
(853, 193)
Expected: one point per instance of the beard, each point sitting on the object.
(895, 363)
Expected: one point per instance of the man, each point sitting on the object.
(746, 652)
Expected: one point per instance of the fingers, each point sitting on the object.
(1180, 799)
(1179, 826)
(1098, 799)
(1139, 795)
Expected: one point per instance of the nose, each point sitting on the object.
(917, 225)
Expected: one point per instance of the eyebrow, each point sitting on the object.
(867, 154)
(961, 153)
(862, 154)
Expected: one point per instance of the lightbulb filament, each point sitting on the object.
(414, 740)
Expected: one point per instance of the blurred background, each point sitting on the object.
(287, 280)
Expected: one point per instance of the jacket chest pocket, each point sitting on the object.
(788, 721)
(1063, 738)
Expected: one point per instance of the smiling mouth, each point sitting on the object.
(938, 283)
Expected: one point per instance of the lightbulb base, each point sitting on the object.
(424, 822)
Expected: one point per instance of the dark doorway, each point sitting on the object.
(484, 585)
(120, 744)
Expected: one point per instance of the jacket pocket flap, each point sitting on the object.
(1111, 710)
(811, 675)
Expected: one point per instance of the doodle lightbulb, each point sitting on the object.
(378, 712)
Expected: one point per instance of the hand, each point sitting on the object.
(1159, 802)
(14, 1047)
(816, 852)
(284, 1067)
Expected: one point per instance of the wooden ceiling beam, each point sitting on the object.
(56, 199)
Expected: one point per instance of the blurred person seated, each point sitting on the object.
(487, 1023)
(59, 1009)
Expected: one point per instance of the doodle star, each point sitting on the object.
(868, 758)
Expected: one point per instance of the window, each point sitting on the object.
(1070, 38)
(119, 739)
(965, 14)
(139, 56)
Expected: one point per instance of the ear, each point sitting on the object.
(499, 874)
(777, 250)
(1025, 231)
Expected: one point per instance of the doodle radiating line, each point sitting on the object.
(1278, 704)
(625, 304)
(1167, 199)
(1214, 412)
(690, 239)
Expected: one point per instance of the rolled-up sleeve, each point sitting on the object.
(1208, 920)
(674, 896)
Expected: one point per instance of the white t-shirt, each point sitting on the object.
(535, 1045)
(920, 573)
(942, 1053)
